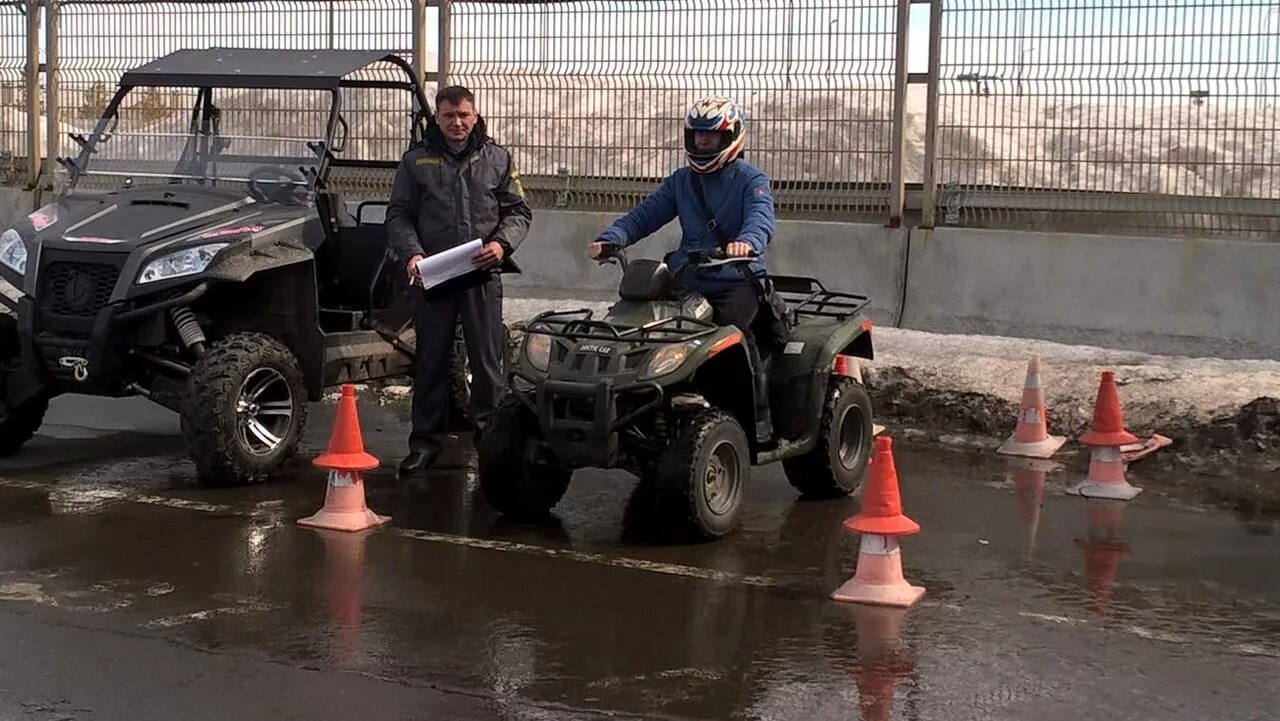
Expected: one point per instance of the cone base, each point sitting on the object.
(898, 525)
(1135, 451)
(900, 595)
(1037, 449)
(1117, 438)
(1110, 491)
(359, 461)
(350, 521)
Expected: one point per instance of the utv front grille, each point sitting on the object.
(77, 289)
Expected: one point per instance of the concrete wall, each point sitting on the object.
(1158, 295)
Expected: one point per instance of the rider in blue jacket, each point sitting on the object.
(738, 196)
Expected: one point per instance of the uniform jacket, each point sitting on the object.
(441, 199)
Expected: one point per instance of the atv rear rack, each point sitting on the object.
(809, 297)
(578, 325)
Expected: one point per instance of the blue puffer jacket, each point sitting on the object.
(738, 195)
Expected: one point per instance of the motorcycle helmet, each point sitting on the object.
(716, 115)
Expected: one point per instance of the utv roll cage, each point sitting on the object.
(251, 69)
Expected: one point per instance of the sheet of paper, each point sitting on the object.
(448, 264)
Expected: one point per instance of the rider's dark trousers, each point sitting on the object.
(477, 299)
(737, 304)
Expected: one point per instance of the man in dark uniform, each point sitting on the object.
(457, 186)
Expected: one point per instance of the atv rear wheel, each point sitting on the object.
(836, 466)
(515, 481)
(244, 410)
(19, 424)
(700, 477)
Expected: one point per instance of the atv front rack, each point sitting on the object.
(578, 325)
(809, 297)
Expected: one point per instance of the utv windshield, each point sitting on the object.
(263, 141)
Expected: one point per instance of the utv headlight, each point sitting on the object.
(188, 261)
(537, 347)
(13, 252)
(663, 361)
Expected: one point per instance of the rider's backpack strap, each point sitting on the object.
(711, 223)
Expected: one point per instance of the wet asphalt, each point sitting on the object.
(127, 592)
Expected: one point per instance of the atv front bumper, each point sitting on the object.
(580, 420)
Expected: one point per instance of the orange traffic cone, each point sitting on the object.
(1031, 436)
(883, 659)
(344, 591)
(1103, 548)
(344, 503)
(1106, 477)
(878, 578)
(1108, 420)
(1028, 475)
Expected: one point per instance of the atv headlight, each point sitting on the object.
(188, 261)
(13, 252)
(663, 361)
(537, 347)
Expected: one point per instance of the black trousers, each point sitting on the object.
(477, 299)
(738, 304)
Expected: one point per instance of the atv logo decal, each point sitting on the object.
(237, 230)
(599, 349)
(79, 366)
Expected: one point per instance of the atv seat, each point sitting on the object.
(646, 280)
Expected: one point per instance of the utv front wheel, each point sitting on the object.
(701, 475)
(835, 467)
(17, 424)
(515, 481)
(244, 410)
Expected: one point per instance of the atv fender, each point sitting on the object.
(266, 287)
(801, 374)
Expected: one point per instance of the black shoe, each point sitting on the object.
(418, 461)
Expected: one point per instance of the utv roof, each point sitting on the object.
(250, 68)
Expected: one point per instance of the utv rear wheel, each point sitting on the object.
(835, 467)
(515, 480)
(700, 476)
(20, 423)
(244, 410)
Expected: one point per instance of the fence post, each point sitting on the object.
(420, 39)
(897, 178)
(33, 93)
(52, 40)
(443, 52)
(930, 180)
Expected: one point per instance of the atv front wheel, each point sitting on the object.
(244, 410)
(19, 424)
(836, 466)
(515, 481)
(700, 476)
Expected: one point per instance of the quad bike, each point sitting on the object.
(655, 387)
(231, 283)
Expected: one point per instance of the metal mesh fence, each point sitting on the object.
(589, 95)
(99, 41)
(1117, 115)
(14, 136)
